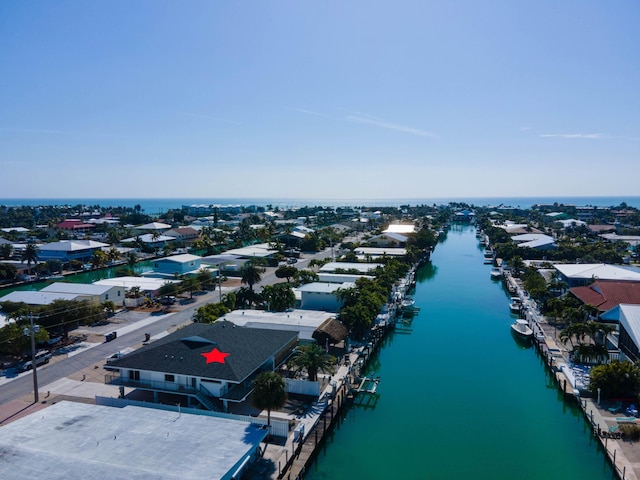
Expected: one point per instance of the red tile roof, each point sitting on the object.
(606, 294)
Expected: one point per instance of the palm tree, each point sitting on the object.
(313, 358)
(251, 275)
(269, 393)
(132, 258)
(598, 331)
(6, 250)
(30, 255)
(99, 258)
(114, 255)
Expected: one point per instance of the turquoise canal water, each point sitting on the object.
(82, 277)
(459, 398)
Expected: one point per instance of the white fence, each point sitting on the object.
(279, 428)
(302, 387)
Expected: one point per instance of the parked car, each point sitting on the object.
(167, 300)
(42, 357)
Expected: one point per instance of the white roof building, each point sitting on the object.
(571, 222)
(149, 238)
(341, 277)
(77, 288)
(258, 250)
(534, 240)
(40, 298)
(377, 252)
(305, 322)
(15, 229)
(146, 284)
(363, 268)
(154, 226)
(400, 228)
(633, 240)
(129, 442)
(321, 295)
(584, 273)
(70, 246)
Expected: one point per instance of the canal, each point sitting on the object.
(80, 277)
(459, 397)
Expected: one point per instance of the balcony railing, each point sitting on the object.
(115, 379)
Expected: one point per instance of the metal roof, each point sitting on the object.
(78, 288)
(39, 298)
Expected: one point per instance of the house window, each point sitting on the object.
(134, 375)
(169, 378)
(119, 292)
(106, 297)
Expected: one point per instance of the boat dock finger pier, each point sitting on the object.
(344, 388)
(623, 456)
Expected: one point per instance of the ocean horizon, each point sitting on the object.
(156, 206)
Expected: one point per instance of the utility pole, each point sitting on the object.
(32, 331)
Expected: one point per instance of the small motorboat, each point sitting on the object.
(496, 273)
(521, 329)
(515, 305)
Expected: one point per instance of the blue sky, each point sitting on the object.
(308, 99)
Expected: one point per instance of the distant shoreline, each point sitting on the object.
(155, 206)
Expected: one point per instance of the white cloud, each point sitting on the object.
(307, 112)
(378, 122)
(593, 136)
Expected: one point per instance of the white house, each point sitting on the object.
(305, 322)
(40, 298)
(321, 296)
(401, 228)
(375, 253)
(342, 267)
(93, 292)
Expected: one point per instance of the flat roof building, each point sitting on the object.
(68, 441)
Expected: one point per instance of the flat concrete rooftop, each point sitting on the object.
(79, 441)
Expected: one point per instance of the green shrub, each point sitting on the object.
(631, 432)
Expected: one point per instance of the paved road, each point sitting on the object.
(56, 370)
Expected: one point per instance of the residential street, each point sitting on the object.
(131, 327)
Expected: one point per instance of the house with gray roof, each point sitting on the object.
(210, 365)
(389, 239)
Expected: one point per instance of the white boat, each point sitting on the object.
(408, 302)
(521, 328)
(496, 273)
(515, 305)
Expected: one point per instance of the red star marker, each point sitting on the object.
(215, 356)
